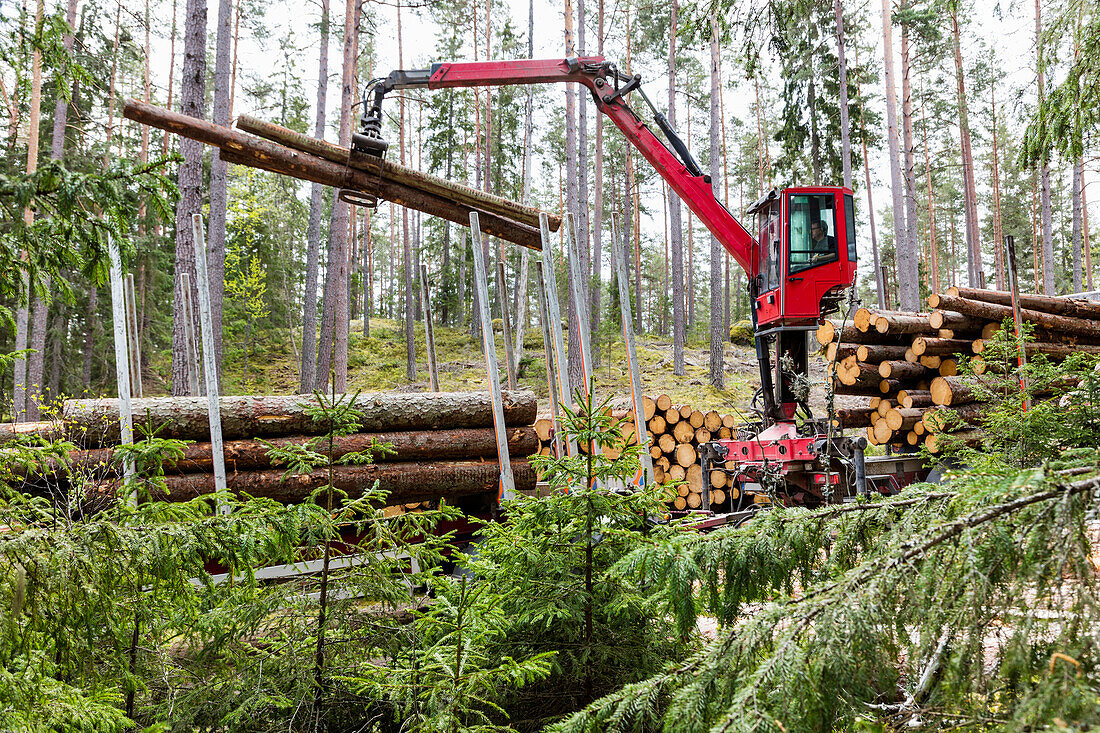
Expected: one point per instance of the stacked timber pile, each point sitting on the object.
(904, 365)
(675, 434)
(442, 445)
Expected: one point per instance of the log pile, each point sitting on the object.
(441, 445)
(905, 366)
(675, 434)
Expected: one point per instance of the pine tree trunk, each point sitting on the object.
(308, 379)
(1085, 235)
(632, 196)
(676, 232)
(583, 207)
(907, 294)
(522, 277)
(333, 353)
(192, 99)
(845, 138)
(1078, 274)
(998, 230)
(970, 193)
(909, 269)
(219, 178)
(717, 339)
(596, 288)
(572, 197)
(406, 259)
(1044, 176)
(933, 245)
(91, 325)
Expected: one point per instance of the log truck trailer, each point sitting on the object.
(795, 278)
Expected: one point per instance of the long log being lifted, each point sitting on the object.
(403, 186)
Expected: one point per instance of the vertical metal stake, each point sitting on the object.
(551, 366)
(481, 283)
(502, 292)
(429, 329)
(619, 257)
(208, 359)
(561, 361)
(122, 361)
(580, 305)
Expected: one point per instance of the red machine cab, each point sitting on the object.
(805, 254)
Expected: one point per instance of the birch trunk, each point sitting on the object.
(192, 100)
(308, 375)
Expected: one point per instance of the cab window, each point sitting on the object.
(769, 247)
(812, 230)
(850, 226)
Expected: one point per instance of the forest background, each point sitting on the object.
(981, 135)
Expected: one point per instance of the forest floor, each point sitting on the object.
(377, 363)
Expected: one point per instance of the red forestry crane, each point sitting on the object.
(800, 260)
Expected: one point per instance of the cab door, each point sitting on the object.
(816, 229)
(769, 240)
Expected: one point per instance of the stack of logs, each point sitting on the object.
(441, 445)
(675, 434)
(906, 364)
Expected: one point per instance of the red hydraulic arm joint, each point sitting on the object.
(609, 88)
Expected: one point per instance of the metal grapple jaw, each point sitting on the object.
(369, 140)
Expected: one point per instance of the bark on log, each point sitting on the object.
(400, 174)
(926, 345)
(853, 418)
(1074, 307)
(956, 322)
(405, 482)
(904, 418)
(878, 353)
(249, 455)
(997, 312)
(934, 442)
(902, 370)
(889, 386)
(828, 331)
(903, 323)
(951, 391)
(251, 417)
(915, 398)
(47, 430)
(945, 419)
(243, 149)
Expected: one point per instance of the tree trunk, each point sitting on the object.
(447, 444)
(91, 324)
(845, 141)
(970, 192)
(908, 267)
(250, 417)
(572, 197)
(998, 231)
(403, 482)
(676, 232)
(583, 204)
(333, 353)
(596, 287)
(219, 178)
(1044, 177)
(933, 246)
(308, 378)
(717, 338)
(907, 290)
(1078, 279)
(192, 96)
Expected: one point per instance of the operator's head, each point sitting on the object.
(818, 230)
